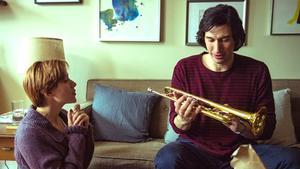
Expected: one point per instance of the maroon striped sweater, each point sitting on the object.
(246, 86)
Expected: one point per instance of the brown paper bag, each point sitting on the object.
(245, 157)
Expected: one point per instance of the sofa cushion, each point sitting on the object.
(284, 133)
(109, 155)
(119, 115)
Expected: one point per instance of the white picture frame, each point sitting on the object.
(141, 23)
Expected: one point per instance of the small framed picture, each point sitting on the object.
(56, 1)
(285, 17)
(195, 11)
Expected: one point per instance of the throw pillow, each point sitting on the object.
(284, 133)
(119, 115)
(170, 134)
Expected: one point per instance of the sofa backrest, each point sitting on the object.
(159, 119)
(158, 124)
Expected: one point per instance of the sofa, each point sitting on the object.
(127, 155)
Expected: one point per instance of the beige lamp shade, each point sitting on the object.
(44, 48)
(35, 49)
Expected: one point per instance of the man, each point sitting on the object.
(224, 77)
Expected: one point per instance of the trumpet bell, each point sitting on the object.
(257, 121)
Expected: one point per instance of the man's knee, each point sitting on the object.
(168, 156)
(278, 156)
(291, 158)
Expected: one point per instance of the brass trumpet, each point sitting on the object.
(221, 112)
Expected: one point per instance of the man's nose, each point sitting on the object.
(218, 45)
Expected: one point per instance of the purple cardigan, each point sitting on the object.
(39, 145)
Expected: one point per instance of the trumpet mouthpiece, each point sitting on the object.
(149, 89)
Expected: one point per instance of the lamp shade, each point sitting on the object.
(35, 49)
(44, 48)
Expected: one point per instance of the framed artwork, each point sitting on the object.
(56, 1)
(285, 17)
(130, 20)
(195, 11)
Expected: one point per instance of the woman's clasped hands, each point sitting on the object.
(77, 117)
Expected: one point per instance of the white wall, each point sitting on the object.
(90, 58)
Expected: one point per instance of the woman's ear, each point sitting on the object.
(46, 93)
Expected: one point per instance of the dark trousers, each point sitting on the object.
(278, 157)
(182, 154)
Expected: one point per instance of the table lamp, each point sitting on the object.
(45, 48)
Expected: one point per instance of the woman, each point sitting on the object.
(47, 137)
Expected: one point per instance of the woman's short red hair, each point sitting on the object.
(42, 77)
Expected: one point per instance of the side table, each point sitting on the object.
(7, 142)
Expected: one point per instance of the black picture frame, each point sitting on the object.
(285, 18)
(196, 8)
(57, 1)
